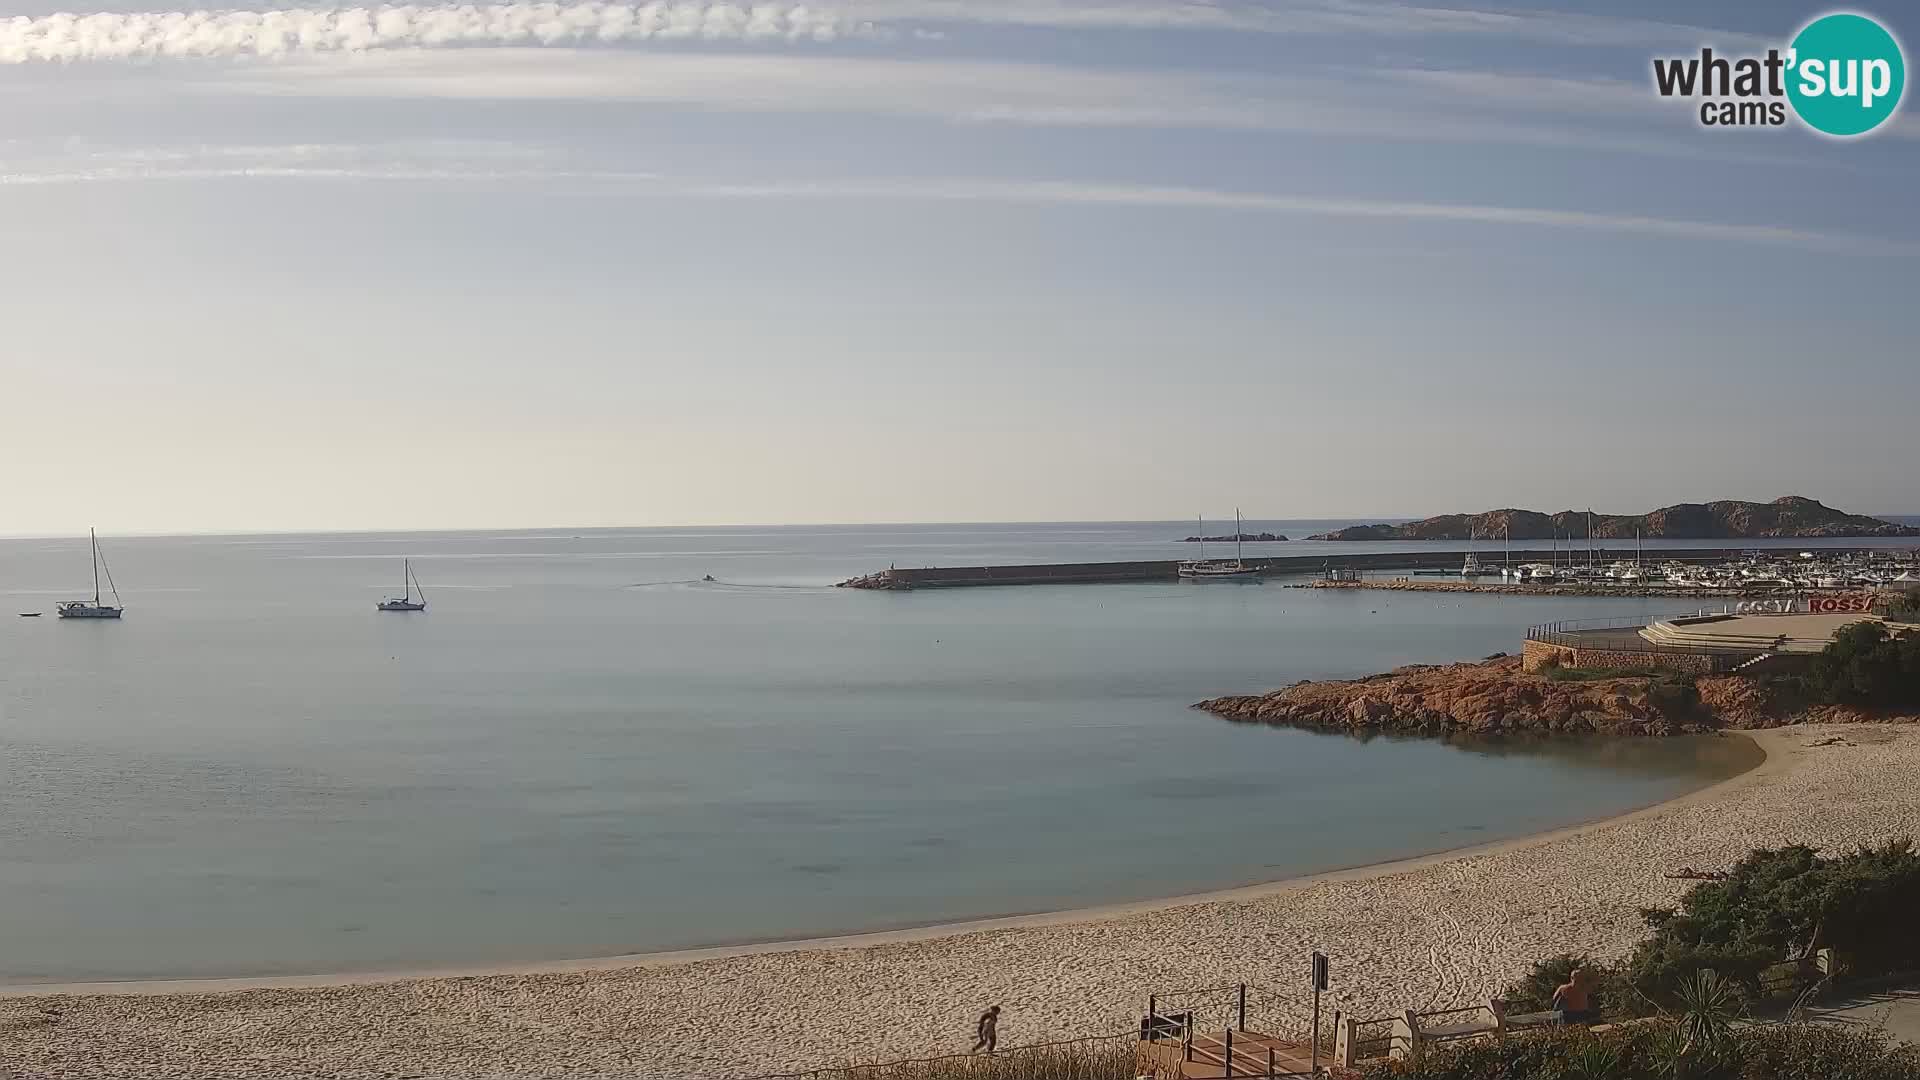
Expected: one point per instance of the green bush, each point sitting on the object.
(1779, 904)
(1865, 664)
(1610, 992)
(1650, 1051)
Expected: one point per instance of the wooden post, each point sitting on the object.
(1243, 1006)
(1228, 1054)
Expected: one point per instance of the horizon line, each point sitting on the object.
(1353, 518)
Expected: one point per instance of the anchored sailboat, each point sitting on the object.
(81, 609)
(410, 586)
(1206, 569)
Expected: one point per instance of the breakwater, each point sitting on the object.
(950, 577)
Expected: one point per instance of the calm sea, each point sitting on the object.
(582, 749)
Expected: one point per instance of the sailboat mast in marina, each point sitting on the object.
(81, 609)
(410, 587)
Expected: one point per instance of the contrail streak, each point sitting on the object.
(113, 36)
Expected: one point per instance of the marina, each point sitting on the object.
(1677, 571)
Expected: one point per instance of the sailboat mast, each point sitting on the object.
(1236, 536)
(93, 545)
(406, 579)
(1201, 520)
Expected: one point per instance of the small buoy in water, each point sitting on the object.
(709, 577)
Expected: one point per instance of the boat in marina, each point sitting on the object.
(1205, 569)
(94, 609)
(410, 588)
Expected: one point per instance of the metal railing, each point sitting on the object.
(1372, 1039)
(1574, 633)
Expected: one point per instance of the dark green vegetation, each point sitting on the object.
(1775, 907)
(1661, 1051)
(1731, 945)
(1867, 665)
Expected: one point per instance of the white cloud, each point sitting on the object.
(1206, 199)
(30, 164)
(73, 37)
(375, 163)
(205, 33)
(974, 91)
(1309, 17)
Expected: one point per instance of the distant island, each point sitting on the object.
(1245, 538)
(1790, 517)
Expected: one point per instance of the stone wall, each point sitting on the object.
(1539, 654)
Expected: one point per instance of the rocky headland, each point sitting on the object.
(1495, 697)
(1791, 516)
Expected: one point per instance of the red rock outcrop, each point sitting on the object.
(1495, 697)
(1488, 698)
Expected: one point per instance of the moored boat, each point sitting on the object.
(94, 609)
(405, 601)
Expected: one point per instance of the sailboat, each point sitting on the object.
(81, 609)
(410, 586)
(1472, 567)
(1205, 569)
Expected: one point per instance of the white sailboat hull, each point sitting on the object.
(95, 608)
(1192, 571)
(410, 586)
(80, 609)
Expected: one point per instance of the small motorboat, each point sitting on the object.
(29, 614)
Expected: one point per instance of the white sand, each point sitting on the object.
(1438, 931)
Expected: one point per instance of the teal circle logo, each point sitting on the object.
(1845, 74)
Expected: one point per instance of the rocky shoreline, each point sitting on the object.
(1494, 697)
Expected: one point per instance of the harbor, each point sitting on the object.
(1703, 571)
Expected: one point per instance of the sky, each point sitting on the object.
(596, 264)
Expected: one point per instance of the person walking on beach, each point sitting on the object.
(986, 1031)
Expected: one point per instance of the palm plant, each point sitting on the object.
(1594, 1060)
(1702, 1031)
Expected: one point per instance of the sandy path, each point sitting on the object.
(1443, 931)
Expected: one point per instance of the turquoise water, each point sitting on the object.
(581, 750)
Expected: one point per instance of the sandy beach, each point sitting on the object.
(1427, 932)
